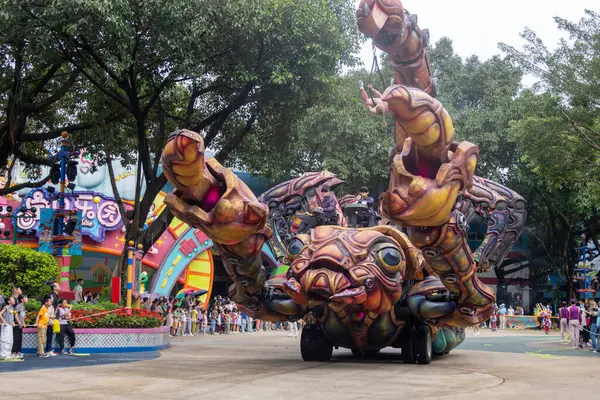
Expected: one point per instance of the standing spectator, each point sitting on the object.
(510, 313)
(249, 324)
(195, 321)
(574, 323)
(188, 322)
(78, 290)
(244, 322)
(293, 329)
(563, 320)
(214, 315)
(20, 313)
(169, 320)
(41, 323)
(204, 317)
(63, 314)
(227, 321)
(7, 320)
(54, 290)
(595, 328)
(502, 315)
(233, 325)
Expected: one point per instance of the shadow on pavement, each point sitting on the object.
(33, 363)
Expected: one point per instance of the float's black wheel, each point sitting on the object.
(409, 354)
(423, 346)
(306, 342)
(314, 345)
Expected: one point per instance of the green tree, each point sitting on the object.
(219, 68)
(26, 268)
(335, 134)
(560, 138)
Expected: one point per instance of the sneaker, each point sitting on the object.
(45, 355)
(596, 351)
(64, 353)
(53, 354)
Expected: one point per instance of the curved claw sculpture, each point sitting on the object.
(373, 287)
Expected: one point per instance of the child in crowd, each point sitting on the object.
(233, 325)
(238, 322)
(204, 317)
(176, 315)
(63, 314)
(227, 321)
(41, 322)
(7, 321)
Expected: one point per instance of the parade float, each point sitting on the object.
(411, 284)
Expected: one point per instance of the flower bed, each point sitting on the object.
(109, 329)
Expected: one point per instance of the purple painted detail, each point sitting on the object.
(97, 218)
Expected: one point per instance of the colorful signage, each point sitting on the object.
(99, 212)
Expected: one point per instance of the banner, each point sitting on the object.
(45, 230)
(74, 247)
(522, 321)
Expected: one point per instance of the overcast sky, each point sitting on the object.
(477, 26)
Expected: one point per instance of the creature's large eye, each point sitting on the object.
(390, 260)
(295, 247)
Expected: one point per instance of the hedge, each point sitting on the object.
(26, 268)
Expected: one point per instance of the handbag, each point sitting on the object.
(55, 326)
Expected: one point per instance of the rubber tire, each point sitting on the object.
(306, 343)
(314, 345)
(322, 347)
(423, 345)
(409, 354)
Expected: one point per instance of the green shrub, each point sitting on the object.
(102, 305)
(26, 268)
(113, 319)
(33, 305)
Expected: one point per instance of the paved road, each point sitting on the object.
(268, 365)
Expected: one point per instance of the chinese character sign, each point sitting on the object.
(99, 213)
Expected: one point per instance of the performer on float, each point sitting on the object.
(366, 218)
(329, 205)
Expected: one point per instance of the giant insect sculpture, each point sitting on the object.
(375, 287)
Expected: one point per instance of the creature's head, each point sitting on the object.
(382, 20)
(144, 276)
(356, 273)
